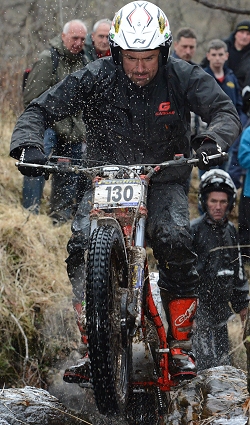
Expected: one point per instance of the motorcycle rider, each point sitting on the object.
(222, 276)
(136, 106)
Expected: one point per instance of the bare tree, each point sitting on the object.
(28, 25)
(226, 8)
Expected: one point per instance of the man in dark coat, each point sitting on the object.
(238, 44)
(136, 107)
(185, 45)
(222, 278)
(66, 55)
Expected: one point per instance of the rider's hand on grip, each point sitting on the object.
(207, 148)
(33, 155)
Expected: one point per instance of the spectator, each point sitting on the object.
(217, 56)
(97, 43)
(136, 105)
(244, 204)
(239, 61)
(66, 137)
(222, 277)
(185, 45)
(238, 44)
(185, 48)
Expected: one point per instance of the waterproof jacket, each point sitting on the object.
(222, 277)
(127, 124)
(241, 68)
(244, 158)
(42, 77)
(230, 86)
(238, 61)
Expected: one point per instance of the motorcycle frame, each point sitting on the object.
(133, 233)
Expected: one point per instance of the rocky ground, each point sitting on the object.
(217, 397)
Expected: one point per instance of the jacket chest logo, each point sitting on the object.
(164, 109)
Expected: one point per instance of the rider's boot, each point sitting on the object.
(180, 314)
(80, 373)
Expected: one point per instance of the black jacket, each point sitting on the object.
(239, 63)
(241, 68)
(222, 277)
(127, 124)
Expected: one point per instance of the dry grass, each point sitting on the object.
(33, 276)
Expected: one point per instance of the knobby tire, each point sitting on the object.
(110, 355)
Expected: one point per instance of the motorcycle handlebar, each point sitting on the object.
(68, 167)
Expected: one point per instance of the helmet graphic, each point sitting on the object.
(140, 25)
(217, 180)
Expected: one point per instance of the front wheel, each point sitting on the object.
(109, 349)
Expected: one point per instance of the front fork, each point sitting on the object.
(140, 277)
(164, 381)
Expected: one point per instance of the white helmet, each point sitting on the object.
(140, 25)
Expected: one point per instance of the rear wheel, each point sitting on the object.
(109, 342)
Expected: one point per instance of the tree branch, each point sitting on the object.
(225, 8)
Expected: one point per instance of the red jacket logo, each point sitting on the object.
(164, 109)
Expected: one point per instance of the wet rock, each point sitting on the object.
(35, 406)
(217, 396)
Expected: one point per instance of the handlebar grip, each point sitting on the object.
(223, 155)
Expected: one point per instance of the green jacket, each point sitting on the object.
(41, 78)
(90, 51)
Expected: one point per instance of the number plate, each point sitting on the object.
(116, 193)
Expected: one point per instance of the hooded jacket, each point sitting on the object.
(241, 68)
(41, 78)
(127, 124)
(219, 265)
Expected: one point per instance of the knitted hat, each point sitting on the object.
(243, 26)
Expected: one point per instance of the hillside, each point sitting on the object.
(33, 280)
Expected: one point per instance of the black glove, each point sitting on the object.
(207, 148)
(33, 155)
(246, 99)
